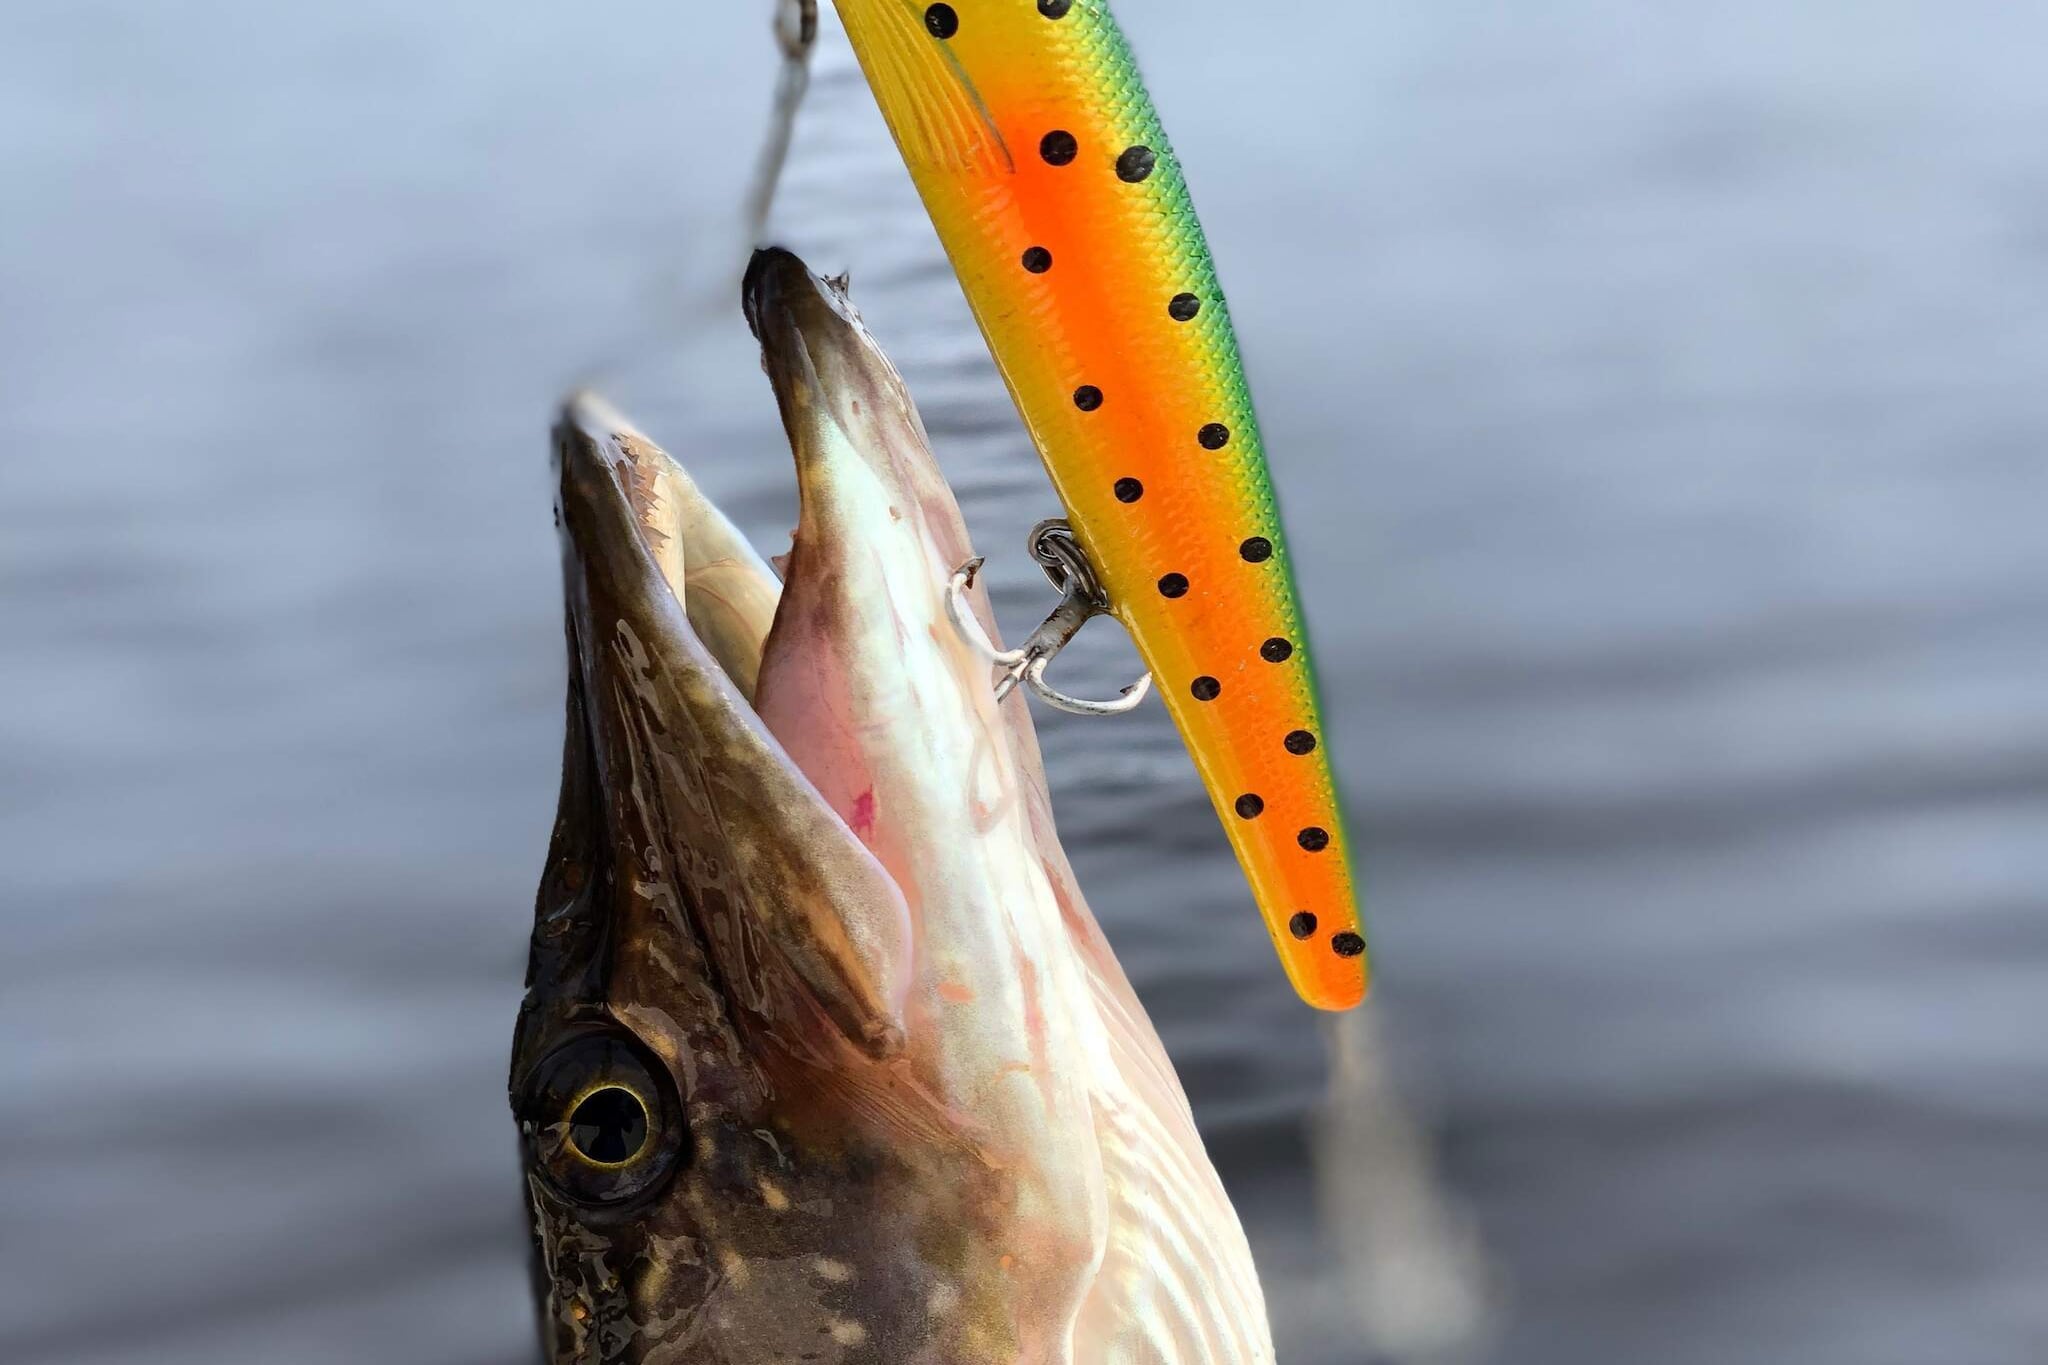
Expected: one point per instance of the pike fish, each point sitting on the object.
(823, 1057)
(1046, 172)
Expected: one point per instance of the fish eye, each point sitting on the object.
(598, 1125)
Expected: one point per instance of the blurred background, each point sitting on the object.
(1656, 396)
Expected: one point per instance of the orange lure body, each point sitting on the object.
(1043, 166)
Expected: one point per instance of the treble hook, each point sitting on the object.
(1053, 545)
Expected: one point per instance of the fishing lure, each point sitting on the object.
(1043, 166)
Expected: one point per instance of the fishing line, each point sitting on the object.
(796, 34)
(1409, 1262)
(796, 31)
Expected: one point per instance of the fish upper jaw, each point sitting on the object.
(710, 826)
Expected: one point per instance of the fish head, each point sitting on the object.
(813, 1058)
(823, 1056)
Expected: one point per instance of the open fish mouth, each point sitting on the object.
(823, 1056)
(772, 702)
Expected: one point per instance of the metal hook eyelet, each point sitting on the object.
(1053, 545)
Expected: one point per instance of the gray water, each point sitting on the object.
(1657, 400)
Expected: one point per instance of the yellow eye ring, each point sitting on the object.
(602, 1124)
(607, 1126)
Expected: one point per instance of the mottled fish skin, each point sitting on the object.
(1047, 174)
(823, 1057)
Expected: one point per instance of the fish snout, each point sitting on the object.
(779, 293)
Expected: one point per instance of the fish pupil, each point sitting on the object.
(609, 1126)
(942, 21)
